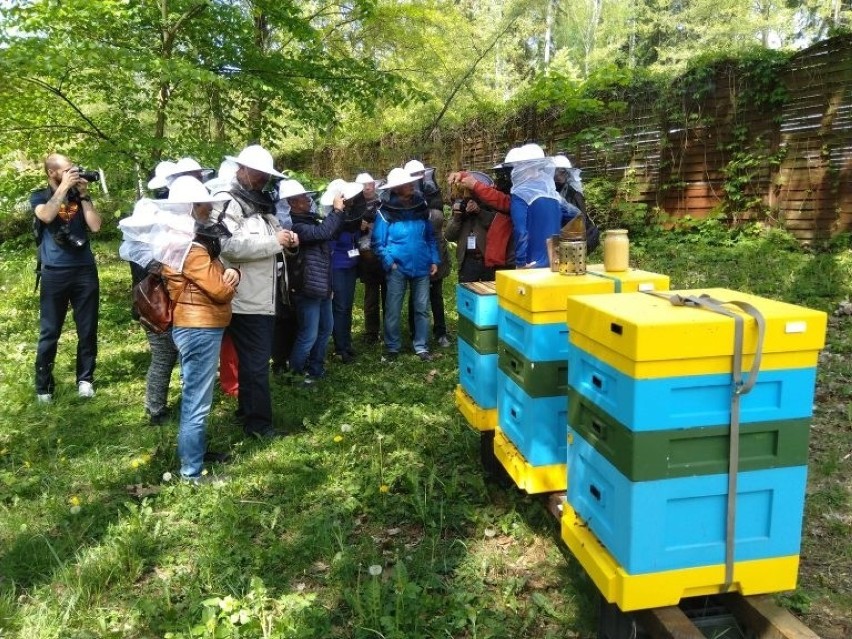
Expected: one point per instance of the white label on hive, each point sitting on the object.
(795, 327)
(647, 286)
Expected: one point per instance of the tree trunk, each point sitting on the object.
(548, 34)
(256, 108)
(218, 114)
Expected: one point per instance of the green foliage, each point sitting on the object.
(613, 206)
(179, 77)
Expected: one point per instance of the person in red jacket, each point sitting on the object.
(499, 245)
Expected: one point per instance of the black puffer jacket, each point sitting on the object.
(313, 271)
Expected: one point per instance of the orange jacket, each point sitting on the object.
(201, 297)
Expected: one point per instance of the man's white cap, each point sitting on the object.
(183, 166)
(290, 188)
(186, 165)
(512, 156)
(189, 190)
(163, 170)
(415, 167)
(529, 152)
(348, 189)
(398, 177)
(561, 162)
(257, 158)
(364, 178)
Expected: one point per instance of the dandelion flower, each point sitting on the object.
(375, 570)
(490, 532)
(27, 464)
(167, 476)
(135, 463)
(346, 428)
(338, 438)
(384, 488)
(75, 510)
(204, 472)
(74, 500)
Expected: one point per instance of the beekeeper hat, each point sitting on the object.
(257, 158)
(163, 170)
(348, 189)
(398, 177)
(189, 190)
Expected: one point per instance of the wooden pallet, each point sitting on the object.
(729, 616)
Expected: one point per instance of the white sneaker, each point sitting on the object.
(85, 389)
(444, 341)
(44, 398)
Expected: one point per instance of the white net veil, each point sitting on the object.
(157, 231)
(533, 179)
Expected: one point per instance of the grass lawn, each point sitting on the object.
(371, 519)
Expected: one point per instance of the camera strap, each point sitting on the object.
(37, 274)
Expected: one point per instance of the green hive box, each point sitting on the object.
(483, 340)
(686, 452)
(538, 379)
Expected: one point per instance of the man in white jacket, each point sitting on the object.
(255, 249)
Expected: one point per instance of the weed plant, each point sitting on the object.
(372, 518)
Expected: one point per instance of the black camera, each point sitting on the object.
(461, 205)
(63, 236)
(89, 176)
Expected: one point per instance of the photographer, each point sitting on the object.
(64, 216)
(468, 228)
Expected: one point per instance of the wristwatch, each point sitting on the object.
(85, 198)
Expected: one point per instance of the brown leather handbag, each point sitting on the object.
(152, 303)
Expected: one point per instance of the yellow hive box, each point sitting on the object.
(645, 336)
(540, 290)
(532, 479)
(632, 280)
(653, 590)
(478, 418)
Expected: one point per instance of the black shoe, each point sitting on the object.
(212, 457)
(425, 356)
(346, 357)
(370, 338)
(391, 356)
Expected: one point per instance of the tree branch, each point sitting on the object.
(469, 73)
(58, 93)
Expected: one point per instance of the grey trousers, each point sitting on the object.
(164, 355)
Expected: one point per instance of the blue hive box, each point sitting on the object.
(477, 301)
(537, 426)
(669, 524)
(690, 401)
(478, 375)
(537, 342)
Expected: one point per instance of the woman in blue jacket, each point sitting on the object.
(311, 284)
(405, 243)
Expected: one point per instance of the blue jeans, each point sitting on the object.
(199, 357)
(396, 294)
(343, 284)
(315, 326)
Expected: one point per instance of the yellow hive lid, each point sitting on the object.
(645, 327)
(540, 289)
(633, 279)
